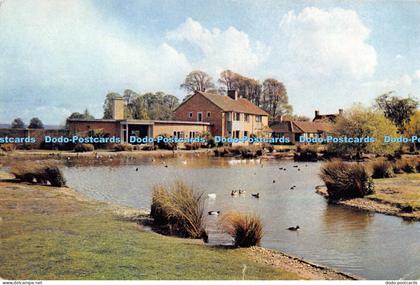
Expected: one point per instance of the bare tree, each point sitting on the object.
(197, 80)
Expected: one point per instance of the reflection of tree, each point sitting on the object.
(335, 216)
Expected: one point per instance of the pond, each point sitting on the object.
(373, 246)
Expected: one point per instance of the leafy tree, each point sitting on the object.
(275, 100)
(84, 116)
(18, 124)
(108, 104)
(361, 122)
(413, 127)
(397, 109)
(197, 80)
(36, 123)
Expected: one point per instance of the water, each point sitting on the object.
(373, 246)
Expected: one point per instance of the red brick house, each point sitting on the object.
(229, 116)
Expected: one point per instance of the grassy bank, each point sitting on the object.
(53, 233)
(397, 196)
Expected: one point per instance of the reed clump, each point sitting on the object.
(407, 165)
(246, 229)
(38, 172)
(123, 147)
(179, 210)
(382, 169)
(346, 180)
(85, 147)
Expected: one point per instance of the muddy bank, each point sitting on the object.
(297, 265)
(373, 204)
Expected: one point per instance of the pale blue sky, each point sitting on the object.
(57, 57)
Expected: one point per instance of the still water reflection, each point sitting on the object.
(373, 246)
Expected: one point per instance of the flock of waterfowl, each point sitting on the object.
(240, 192)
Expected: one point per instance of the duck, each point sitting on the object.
(214, 213)
(242, 192)
(137, 169)
(293, 187)
(293, 228)
(212, 195)
(274, 181)
(166, 165)
(298, 169)
(234, 193)
(256, 195)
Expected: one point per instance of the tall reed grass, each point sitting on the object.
(180, 209)
(346, 180)
(39, 172)
(246, 229)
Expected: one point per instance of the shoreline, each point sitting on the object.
(274, 259)
(372, 204)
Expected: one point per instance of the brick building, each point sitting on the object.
(228, 116)
(124, 128)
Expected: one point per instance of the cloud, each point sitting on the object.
(220, 49)
(326, 43)
(66, 55)
(401, 83)
(417, 74)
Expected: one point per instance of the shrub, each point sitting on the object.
(382, 169)
(85, 147)
(148, 147)
(180, 209)
(306, 153)
(246, 229)
(123, 147)
(38, 172)
(164, 143)
(8, 147)
(406, 165)
(346, 180)
(192, 146)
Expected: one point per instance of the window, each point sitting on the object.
(179, 134)
(190, 114)
(245, 133)
(208, 114)
(193, 135)
(199, 116)
(229, 116)
(237, 116)
(236, 134)
(258, 119)
(246, 117)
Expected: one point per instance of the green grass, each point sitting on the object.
(51, 233)
(402, 190)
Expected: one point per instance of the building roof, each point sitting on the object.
(326, 118)
(228, 104)
(301, 127)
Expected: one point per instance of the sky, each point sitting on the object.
(59, 57)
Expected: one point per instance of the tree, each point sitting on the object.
(84, 116)
(35, 123)
(413, 127)
(359, 122)
(18, 124)
(275, 100)
(197, 80)
(108, 104)
(397, 109)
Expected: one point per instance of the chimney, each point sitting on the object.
(316, 113)
(117, 108)
(233, 94)
(340, 112)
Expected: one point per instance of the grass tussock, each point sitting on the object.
(382, 169)
(250, 151)
(179, 209)
(246, 229)
(7, 147)
(84, 147)
(407, 165)
(346, 180)
(307, 153)
(38, 172)
(123, 147)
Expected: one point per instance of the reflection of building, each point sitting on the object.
(228, 116)
(320, 127)
(124, 128)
